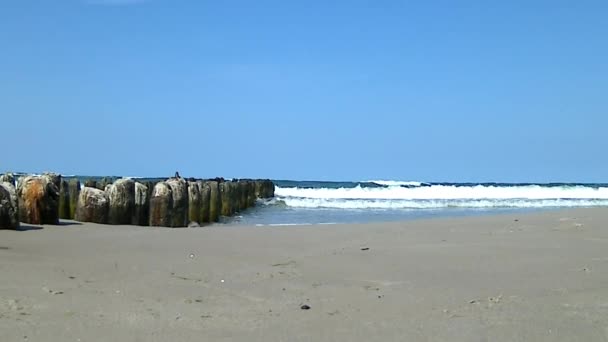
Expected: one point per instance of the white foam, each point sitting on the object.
(296, 202)
(394, 196)
(394, 183)
(442, 192)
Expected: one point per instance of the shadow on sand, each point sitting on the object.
(69, 223)
(24, 227)
(27, 227)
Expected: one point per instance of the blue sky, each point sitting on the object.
(323, 90)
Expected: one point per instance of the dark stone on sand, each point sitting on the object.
(161, 206)
(9, 207)
(305, 307)
(122, 201)
(38, 200)
(93, 206)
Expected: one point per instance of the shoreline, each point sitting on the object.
(421, 215)
(231, 222)
(529, 276)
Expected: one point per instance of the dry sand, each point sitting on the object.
(527, 277)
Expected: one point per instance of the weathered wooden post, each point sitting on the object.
(74, 194)
(194, 202)
(64, 200)
(38, 200)
(122, 201)
(93, 206)
(161, 206)
(9, 207)
(205, 201)
(141, 212)
(215, 203)
(179, 188)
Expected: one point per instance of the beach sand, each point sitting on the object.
(524, 277)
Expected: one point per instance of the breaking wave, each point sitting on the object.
(419, 195)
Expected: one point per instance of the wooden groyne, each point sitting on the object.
(174, 202)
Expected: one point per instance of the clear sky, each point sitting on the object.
(319, 90)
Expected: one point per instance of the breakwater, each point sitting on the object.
(173, 202)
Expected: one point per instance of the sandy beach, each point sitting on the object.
(525, 277)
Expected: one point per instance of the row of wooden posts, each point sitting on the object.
(175, 202)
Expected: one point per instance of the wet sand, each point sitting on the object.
(526, 277)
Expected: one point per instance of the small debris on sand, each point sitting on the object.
(495, 300)
(365, 249)
(305, 307)
(45, 289)
(287, 263)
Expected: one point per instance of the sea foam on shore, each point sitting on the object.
(419, 195)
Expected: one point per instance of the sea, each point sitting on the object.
(314, 203)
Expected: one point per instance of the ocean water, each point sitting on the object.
(310, 202)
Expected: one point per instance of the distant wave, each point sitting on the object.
(437, 204)
(449, 192)
(395, 183)
(419, 195)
